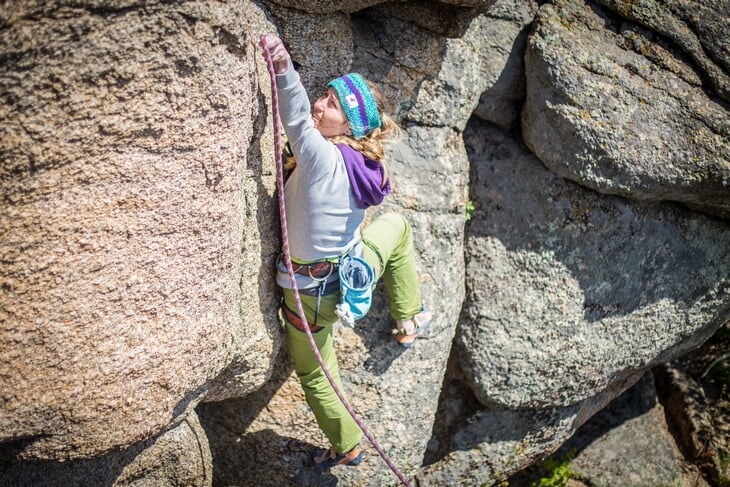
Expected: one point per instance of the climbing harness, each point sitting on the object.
(318, 272)
(290, 267)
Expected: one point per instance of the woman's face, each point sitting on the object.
(328, 116)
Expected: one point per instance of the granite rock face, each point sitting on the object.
(621, 113)
(562, 313)
(179, 456)
(698, 29)
(137, 222)
(560, 300)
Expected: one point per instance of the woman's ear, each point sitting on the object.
(348, 130)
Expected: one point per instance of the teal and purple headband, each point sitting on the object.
(358, 103)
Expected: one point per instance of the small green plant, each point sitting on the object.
(469, 210)
(557, 472)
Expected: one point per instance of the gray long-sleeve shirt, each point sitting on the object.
(323, 218)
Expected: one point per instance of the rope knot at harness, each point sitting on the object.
(290, 267)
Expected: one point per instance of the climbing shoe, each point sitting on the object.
(408, 330)
(325, 459)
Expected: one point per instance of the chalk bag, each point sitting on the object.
(356, 289)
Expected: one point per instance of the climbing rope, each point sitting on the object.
(290, 268)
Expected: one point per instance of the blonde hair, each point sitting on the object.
(371, 146)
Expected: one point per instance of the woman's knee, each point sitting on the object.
(397, 223)
(397, 219)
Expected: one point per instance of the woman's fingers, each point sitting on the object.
(279, 55)
(271, 39)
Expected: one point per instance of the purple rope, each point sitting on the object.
(290, 268)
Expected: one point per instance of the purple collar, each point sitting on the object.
(366, 177)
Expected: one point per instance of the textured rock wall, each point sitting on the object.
(179, 456)
(588, 142)
(136, 221)
(617, 112)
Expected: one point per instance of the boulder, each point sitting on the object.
(618, 112)
(138, 221)
(569, 289)
(635, 419)
(626, 443)
(697, 28)
(473, 65)
(178, 456)
(694, 391)
(571, 295)
(506, 26)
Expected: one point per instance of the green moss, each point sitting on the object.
(556, 472)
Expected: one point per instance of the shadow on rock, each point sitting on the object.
(375, 331)
(635, 402)
(261, 457)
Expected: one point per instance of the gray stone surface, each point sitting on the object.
(569, 289)
(618, 121)
(628, 443)
(485, 445)
(178, 457)
(473, 64)
(525, 327)
(506, 26)
(698, 28)
(694, 390)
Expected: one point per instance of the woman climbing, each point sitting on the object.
(340, 172)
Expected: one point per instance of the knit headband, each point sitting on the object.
(358, 103)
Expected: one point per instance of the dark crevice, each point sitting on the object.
(456, 405)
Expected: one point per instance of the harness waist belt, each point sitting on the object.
(318, 270)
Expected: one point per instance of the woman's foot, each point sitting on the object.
(328, 458)
(408, 330)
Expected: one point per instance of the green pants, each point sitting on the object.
(389, 249)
